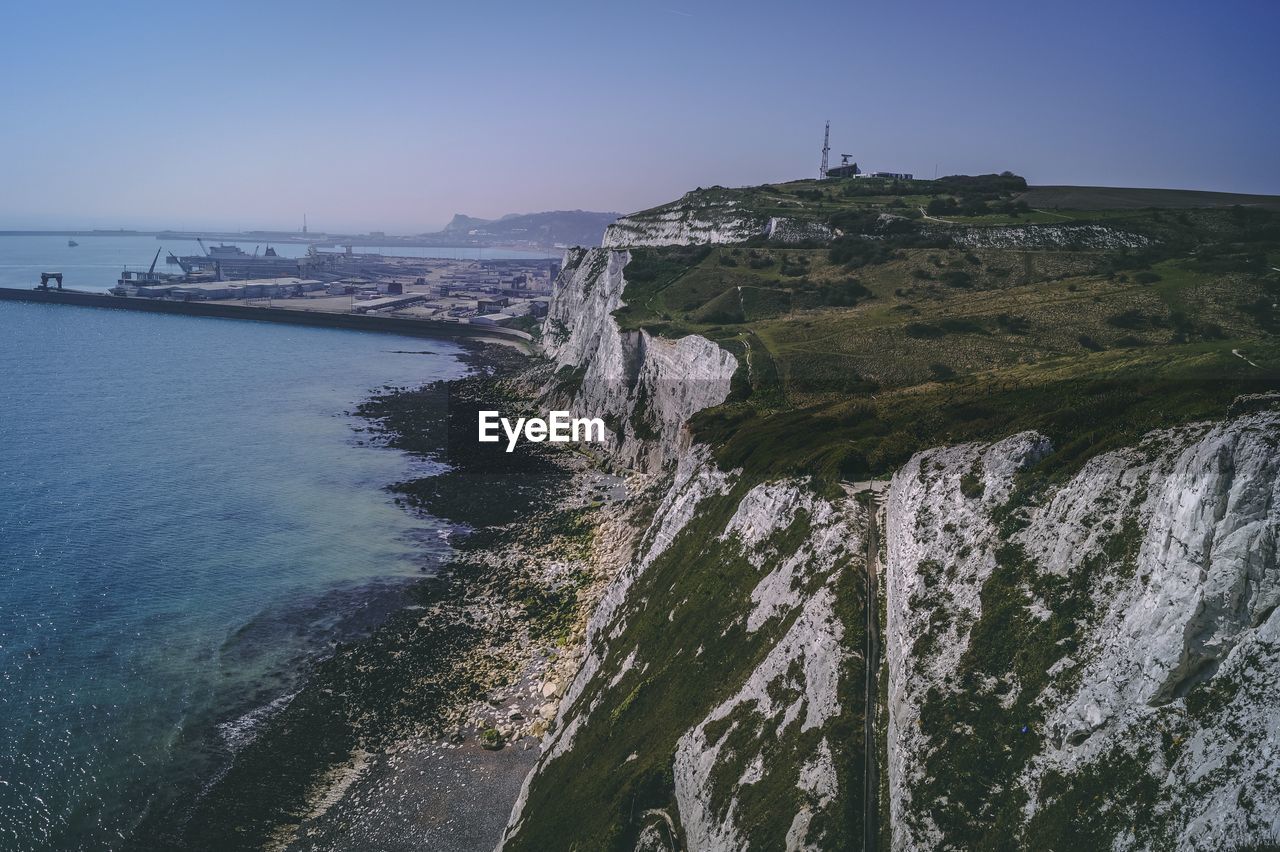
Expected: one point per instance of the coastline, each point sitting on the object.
(437, 715)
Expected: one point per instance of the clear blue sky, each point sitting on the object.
(395, 115)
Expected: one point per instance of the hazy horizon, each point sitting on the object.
(398, 117)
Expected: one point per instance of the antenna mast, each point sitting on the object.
(826, 149)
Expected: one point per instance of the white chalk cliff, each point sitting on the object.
(1166, 672)
(644, 387)
(1173, 666)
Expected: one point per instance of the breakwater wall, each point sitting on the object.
(293, 316)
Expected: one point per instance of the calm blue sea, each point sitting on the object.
(187, 517)
(95, 264)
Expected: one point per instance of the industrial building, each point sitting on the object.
(847, 168)
(484, 292)
(264, 288)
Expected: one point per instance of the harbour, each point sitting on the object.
(415, 327)
(452, 293)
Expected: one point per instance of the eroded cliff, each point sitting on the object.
(1087, 658)
(1096, 659)
(645, 388)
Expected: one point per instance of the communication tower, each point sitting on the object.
(826, 149)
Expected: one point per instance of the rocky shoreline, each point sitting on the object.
(424, 731)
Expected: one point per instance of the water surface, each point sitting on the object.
(187, 517)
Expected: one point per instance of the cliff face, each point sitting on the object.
(1076, 237)
(1101, 663)
(722, 671)
(705, 217)
(1090, 662)
(723, 662)
(645, 388)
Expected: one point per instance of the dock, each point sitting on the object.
(410, 326)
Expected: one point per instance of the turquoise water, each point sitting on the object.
(95, 264)
(187, 517)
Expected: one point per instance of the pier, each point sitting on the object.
(262, 313)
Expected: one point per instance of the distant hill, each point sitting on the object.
(1122, 198)
(559, 227)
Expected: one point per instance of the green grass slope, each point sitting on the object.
(854, 353)
(859, 351)
(1126, 198)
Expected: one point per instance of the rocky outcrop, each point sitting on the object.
(751, 738)
(780, 572)
(682, 225)
(707, 218)
(1059, 237)
(1079, 662)
(1116, 637)
(645, 388)
(795, 689)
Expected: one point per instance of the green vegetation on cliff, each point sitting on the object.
(684, 648)
(890, 317)
(903, 332)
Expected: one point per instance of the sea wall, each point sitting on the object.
(290, 316)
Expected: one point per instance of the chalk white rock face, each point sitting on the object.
(684, 226)
(1194, 609)
(586, 293)
(797, 230)
(929, 520)
(1046, 237)
(813, 645)
(644, 387)
(695, 479)
(819, 780)
(765, 511)
(698, 220)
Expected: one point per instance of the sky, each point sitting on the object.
(395, 115)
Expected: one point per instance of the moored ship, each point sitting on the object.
(230, 262)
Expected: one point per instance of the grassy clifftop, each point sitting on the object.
(724, 702)
(953, 310)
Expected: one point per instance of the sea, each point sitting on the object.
(189, 516)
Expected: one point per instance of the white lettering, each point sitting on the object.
(512, 434)
(588, 425)
(488, 422)
(559, 423)
(558, 428)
